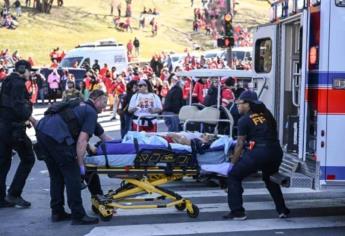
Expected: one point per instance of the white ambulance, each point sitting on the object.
(105, 51)
(301, 55)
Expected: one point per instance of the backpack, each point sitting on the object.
(65, 110)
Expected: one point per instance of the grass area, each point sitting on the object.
(81, 21)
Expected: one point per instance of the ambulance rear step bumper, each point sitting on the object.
(296, 173)
(292, 180)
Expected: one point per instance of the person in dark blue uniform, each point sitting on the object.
(15, 111)
(257, 149)
(65, 148)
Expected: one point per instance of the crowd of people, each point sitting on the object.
(209, 18)
(8, 20)
(162, 90)
(125, 24)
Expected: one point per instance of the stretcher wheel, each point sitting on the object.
(195, 212)
(181, 206)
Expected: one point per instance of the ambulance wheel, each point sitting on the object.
(181, 206)
(195, 212)
(106, 218)
(95, 210)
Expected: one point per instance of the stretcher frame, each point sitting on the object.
(142, 179)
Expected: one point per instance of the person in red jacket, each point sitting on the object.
(104, 70)
(118, 88)
(2, 74)
(200, 90)
(186, 89)
(130, 47)
(227, 93)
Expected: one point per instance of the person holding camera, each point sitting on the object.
(15, 111)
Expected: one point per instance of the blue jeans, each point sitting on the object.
(266, 159)
(173, 122)
(41, 94)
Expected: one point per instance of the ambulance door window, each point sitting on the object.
(263, 55)
(86, 63)
(340, 3)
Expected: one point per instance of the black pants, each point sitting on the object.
(266, 159)
(94, 183)
(23, 146)
(64, 172)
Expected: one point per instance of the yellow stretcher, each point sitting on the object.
(150, 171)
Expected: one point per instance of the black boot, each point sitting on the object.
(5, 204)
(64, 216)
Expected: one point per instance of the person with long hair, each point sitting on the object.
(257, 148)
(145, 103)
(125, 116)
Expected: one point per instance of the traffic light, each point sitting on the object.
(229, 42)
(220, 42)
(228, 31)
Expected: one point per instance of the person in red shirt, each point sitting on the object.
(32, 88)
(54, 65)
(227, 93)
(186, 89)
(200, 90)
(31, 61)
(118, 88)
(104, 70)
(87, 81)
(2, 74)
(130, 47)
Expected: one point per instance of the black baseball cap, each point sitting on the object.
(249, 96)
(23, 63)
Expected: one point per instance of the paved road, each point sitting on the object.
(313, 212)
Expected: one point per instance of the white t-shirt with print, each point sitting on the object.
(144, 102)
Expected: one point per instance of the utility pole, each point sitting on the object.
(229, 11)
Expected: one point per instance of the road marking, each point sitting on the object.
(253, 191)
(220, 226)
(249, 206)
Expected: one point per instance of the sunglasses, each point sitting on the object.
(142, 85)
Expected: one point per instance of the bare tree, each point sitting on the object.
(7, 3)
(44, 5)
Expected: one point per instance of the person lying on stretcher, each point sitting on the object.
(198, 143)
(185, 138)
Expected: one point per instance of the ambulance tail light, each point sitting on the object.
(331, 177)
(314, 157)
(313, 55)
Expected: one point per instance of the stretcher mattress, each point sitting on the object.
(123, 154)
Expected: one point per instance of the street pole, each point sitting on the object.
(229, 56)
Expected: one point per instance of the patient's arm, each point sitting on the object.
(179, 138)
(91, 149)
(104, 137)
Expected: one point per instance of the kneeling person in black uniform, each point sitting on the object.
(63, 138)
(258, 129)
